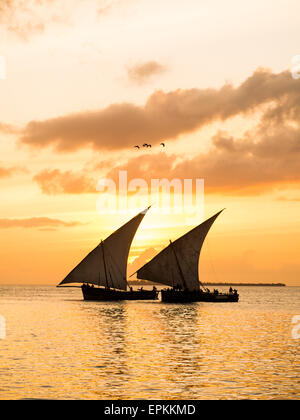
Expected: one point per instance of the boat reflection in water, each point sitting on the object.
(177, 266)
(106, 267)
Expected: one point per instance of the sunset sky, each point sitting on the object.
(87, 80)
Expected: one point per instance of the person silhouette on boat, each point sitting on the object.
(230, 290)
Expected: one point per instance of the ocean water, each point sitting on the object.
(58, 346)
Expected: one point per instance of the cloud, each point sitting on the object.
(7, 172)
(147, 166)
(57, 182)
(261, 160)
(8, 129)
(36, 222)
(105, 6)
(292, 199)
(141, 73)
(26, 18)
(167, 115)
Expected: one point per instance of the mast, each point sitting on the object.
(187, 251)
(96, 266)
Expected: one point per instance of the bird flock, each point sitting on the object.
(148, 145)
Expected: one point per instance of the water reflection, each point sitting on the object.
(182, 340)
(67, 348)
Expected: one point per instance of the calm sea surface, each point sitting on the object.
(58, 346)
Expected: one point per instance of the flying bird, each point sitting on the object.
(145, 145)
(149, 145)
(137, 147)
(163, 144)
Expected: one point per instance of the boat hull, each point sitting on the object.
(185, 296)
(101, 294)
(141, 295)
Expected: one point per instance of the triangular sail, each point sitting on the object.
(177, 264)
(106, 265)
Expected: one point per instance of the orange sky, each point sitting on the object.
(211, 79)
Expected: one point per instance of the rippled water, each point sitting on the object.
(58, 346)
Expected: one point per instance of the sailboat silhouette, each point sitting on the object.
(106, 267)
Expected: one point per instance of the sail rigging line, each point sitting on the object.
(134, 273)
(178, 265)
(187, 252)
(98, 268)
(98, 262)
(190, 270)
